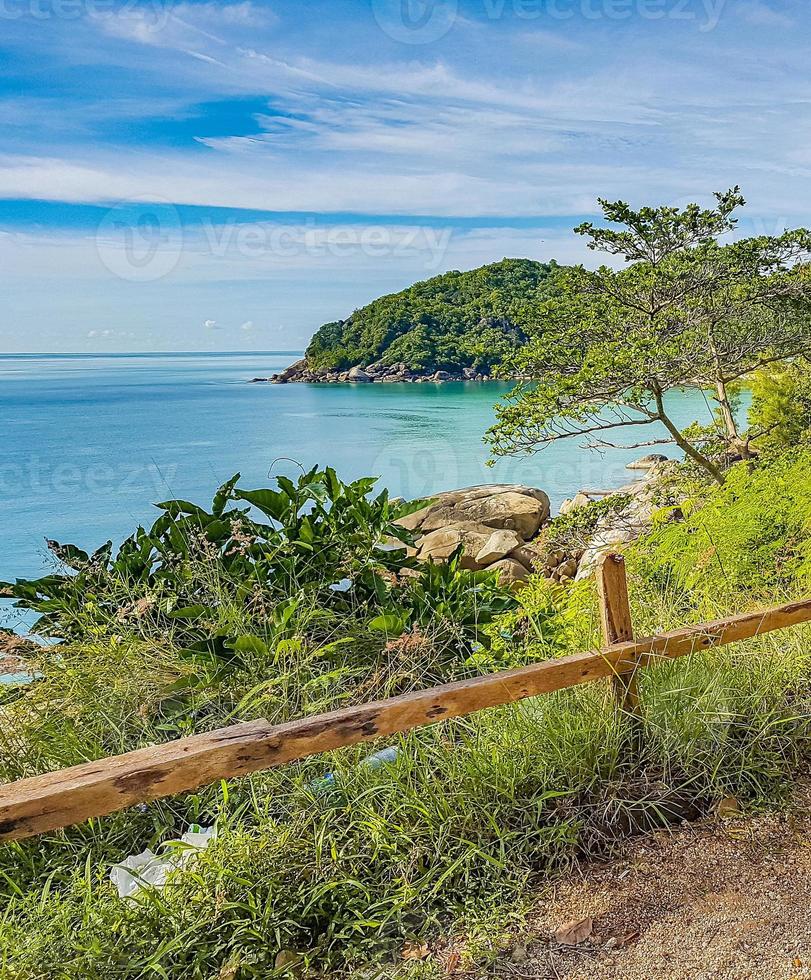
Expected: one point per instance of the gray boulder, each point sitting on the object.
(290, 372)
(514, 511)
(579, 500)
(439, 545)
(647, 462)
(492, 523)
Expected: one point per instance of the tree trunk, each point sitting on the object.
(727, 414)
(734, 441)
(689, 450)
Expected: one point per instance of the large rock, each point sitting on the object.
(439, 545)
(579, 500)
(510, 572)
(515, 511)
(484, 505)
(490, 522)
(357, 374)
(499, 544)
(291, 372)
(530, 555)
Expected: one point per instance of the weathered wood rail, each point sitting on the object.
(69, 796)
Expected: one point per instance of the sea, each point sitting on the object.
(90, 442)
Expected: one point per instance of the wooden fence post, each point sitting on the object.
(615, 611)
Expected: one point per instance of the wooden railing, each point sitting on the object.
(68, 796)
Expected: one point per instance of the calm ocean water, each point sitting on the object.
(90, 442)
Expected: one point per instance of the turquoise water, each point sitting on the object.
(89, 442)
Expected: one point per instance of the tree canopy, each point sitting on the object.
(452, 321)
(684, 311)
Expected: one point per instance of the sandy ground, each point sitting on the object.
(724, 899)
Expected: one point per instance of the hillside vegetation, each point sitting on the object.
(460, 319)
(372, 863)
(283, 602)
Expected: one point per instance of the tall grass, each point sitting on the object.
(343, 872)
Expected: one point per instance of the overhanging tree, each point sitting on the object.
(685, 311)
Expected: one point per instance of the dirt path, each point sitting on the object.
(726, 899)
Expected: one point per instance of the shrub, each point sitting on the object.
(781, 404)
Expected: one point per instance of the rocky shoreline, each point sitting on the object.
(370, 374)
(508, 528)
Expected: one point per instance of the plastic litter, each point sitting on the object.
(150, 870)
(382, 758)
(19, 678)
(376, 760)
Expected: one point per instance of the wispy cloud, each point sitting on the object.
(318, 110)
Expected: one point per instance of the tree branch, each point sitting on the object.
(602, 444)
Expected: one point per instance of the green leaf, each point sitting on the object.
(250, 644)
(176, 508)
(271, 502)
(388, 623)
(223, 495)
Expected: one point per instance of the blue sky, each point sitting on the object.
(227, 176)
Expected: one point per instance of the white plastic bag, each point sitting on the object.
(150, 870)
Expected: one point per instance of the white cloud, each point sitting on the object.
(426, 138)
(499, 121)
(178, 25)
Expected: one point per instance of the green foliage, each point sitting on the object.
(781, 403)
(463, 820)
(456, 320)
(687, 312)
(241, 618)
(344, 871)
(193, 566)
(751, 537)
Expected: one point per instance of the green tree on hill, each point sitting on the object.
(684, 311)
(460, 319)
